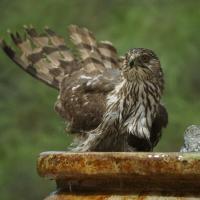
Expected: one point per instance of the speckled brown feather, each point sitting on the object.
(83, 81)
(45, 56)
(82, 97)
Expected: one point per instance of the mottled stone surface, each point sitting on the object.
(121, 197)
(191, 139)
(125, 175)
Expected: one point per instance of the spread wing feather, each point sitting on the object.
(83, 80)
(86, 44)
(109, 54)
(83, 94)
(45, 56)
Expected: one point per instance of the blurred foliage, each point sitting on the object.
(28, 123)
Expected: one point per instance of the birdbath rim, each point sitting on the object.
(60, 164)
(170, 172)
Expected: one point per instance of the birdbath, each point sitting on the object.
(120, 176)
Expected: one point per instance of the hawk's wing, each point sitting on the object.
(83, 94)
(45, 56)
(160, 121)
(84, 75)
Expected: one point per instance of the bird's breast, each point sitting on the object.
(134, 104)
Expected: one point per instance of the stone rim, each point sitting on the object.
(60, 165)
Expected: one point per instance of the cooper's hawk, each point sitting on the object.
(112, 102)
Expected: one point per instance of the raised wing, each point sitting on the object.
(83, 94)
(45, 56)
(83, 74)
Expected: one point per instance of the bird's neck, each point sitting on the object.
(140, 90)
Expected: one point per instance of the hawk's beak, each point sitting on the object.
(136, 63)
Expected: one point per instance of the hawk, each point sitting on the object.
(111, 102)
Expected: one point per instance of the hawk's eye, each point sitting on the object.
(145, 58)
(131, 64)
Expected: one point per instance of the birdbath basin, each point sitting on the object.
(120, 176)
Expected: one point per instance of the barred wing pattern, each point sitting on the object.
(83, 78)
(45, 56)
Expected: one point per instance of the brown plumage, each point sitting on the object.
(112, 102)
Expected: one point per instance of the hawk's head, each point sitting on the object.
(142, 65)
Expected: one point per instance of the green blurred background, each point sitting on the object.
(28, 123)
